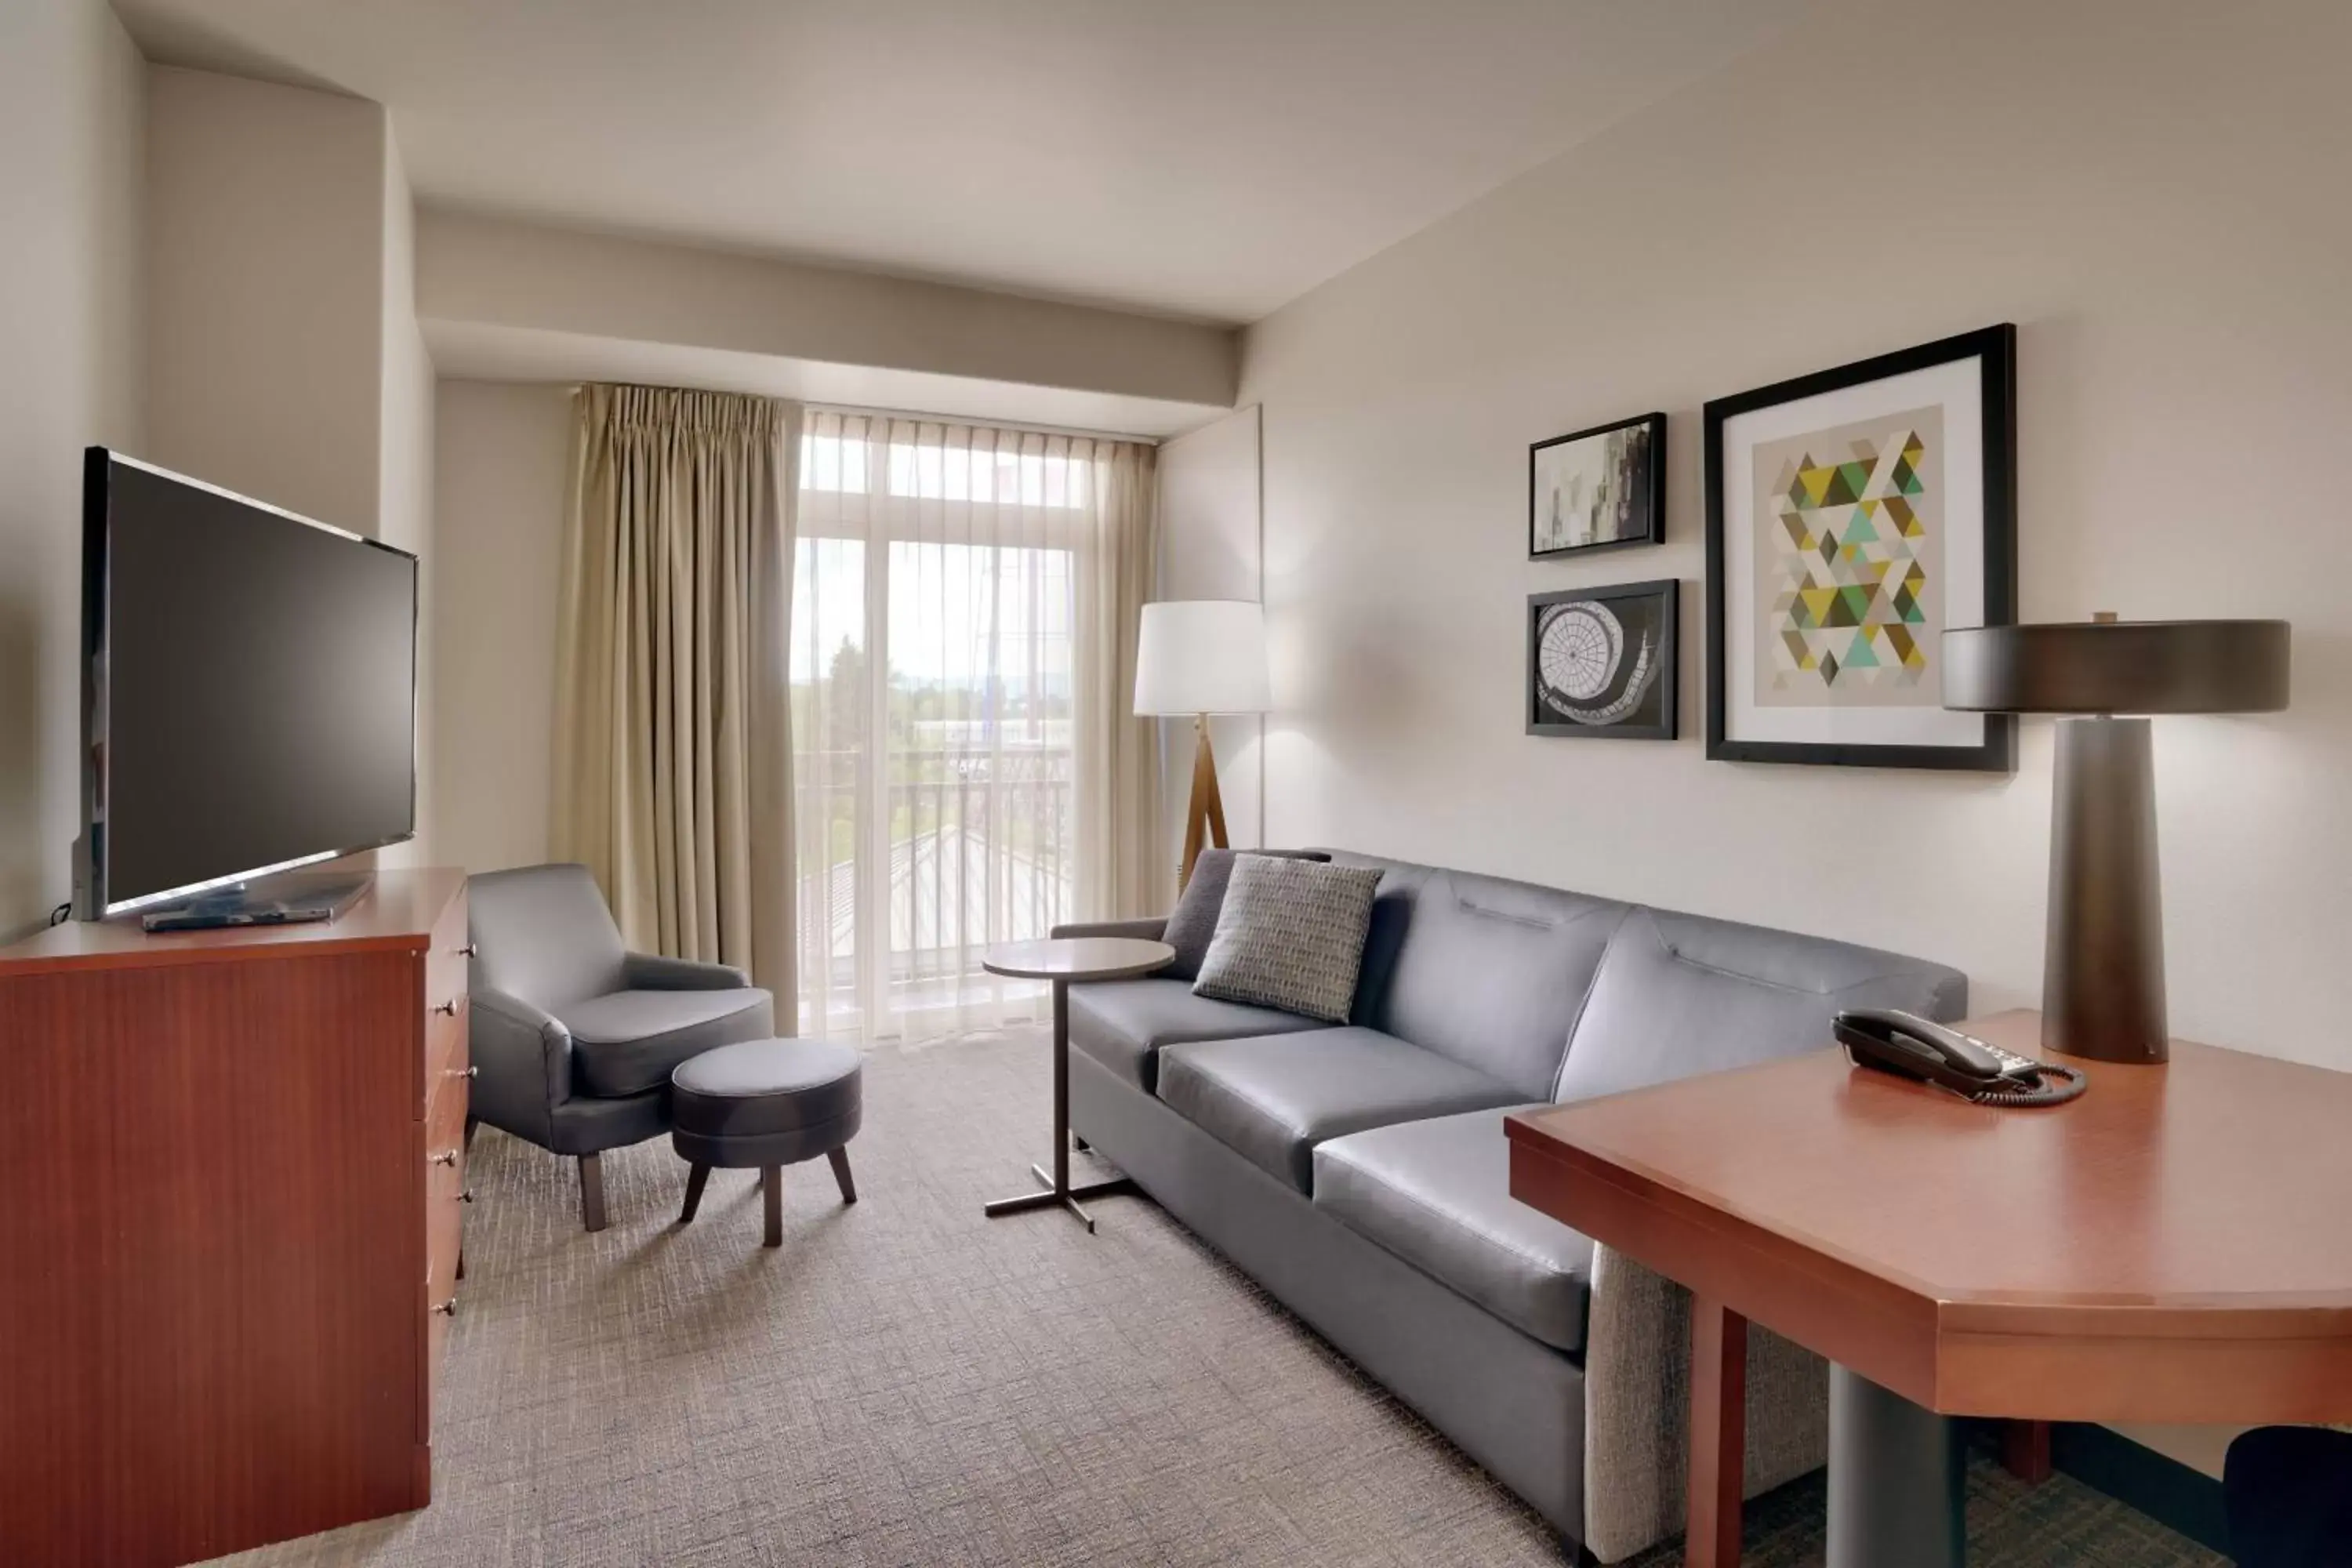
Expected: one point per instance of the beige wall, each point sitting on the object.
(501, 453)
(404, 482)
(2153, 193)
(72, 144)
(266, 276)
(1209, 548)
(497, 274)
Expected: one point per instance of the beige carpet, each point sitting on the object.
(907, 1382)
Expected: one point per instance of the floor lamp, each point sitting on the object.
(2103, 970)
(1200, 657)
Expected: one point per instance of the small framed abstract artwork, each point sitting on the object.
(1601, 661)
(1851, 516)
(1598, 488)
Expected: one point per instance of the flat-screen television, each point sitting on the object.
(249, 690)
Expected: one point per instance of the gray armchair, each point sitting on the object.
(574, 1036)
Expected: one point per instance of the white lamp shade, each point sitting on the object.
(1202, 656)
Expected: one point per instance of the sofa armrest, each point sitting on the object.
(524, 1057)
(1149, 929)
(651, 971)
(1637, 1408)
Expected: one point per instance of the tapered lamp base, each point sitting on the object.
(1205, 817)
(2103, 976)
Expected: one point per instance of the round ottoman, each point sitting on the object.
(762, 1105)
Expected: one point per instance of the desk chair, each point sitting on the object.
(2288, 1490)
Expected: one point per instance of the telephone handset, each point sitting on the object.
(1911, 1046)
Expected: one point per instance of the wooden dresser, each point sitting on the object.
(232, 1177)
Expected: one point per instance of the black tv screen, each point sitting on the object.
(251, 701)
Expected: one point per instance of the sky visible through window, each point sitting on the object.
(956, 610)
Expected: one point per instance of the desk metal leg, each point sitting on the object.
(1895, 1487)
(1058, 1191)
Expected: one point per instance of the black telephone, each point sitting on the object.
(1911, 1046)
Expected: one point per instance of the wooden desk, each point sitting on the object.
(233, 1164)
(2176, 1246)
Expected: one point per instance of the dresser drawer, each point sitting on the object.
(446, 965)
(444, 1181)
(445, 1216)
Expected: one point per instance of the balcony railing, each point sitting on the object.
(980, 851)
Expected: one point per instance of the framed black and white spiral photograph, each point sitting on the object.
(1601, 661)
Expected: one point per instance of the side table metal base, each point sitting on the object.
(1064, 1198)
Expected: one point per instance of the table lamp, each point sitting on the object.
(2103, 973)
(1202, 656)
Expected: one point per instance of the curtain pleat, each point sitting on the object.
(962, 666)
(674, 751)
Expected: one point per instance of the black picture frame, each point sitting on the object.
(1995, 348)
(1663, 601)
(1649, 489)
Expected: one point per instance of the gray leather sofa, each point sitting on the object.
(1360, 1174)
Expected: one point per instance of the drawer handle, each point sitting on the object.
(471, 950)
(461, 1072)
(447, 1157)
(448, 1308)
(446, 1009)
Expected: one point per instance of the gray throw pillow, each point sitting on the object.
(1195, 919)
(1291, 936)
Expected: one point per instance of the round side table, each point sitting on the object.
(1065, 960)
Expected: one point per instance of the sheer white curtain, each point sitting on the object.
(964, 602)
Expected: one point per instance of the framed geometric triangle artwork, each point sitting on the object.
(1851, 516)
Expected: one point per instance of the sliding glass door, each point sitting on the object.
(934, 669)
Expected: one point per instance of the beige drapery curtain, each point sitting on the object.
(674, 751)
(966, 600)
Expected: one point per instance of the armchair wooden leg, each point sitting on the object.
(772, 1194)
(694, 1179)
(591, 1191)
(840, 1158)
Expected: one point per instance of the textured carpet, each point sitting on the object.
(905, 1383)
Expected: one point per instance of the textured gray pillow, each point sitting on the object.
(1194, 921)
(1291, 936)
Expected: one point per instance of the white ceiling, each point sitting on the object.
(1204, 158)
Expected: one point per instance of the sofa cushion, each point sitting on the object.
(1489, 971)
(1438, 1194)
(1273, 1098)
(1122, 1024)
(1192, 924)
(630, 1041)
(1291, 936)
(1680, 994)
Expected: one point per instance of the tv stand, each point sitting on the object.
(297, 898)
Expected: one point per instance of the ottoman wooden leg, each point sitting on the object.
(772, 1194)
(694, 1179)
(840, 1158)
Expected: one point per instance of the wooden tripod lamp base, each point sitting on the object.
(1206, 811)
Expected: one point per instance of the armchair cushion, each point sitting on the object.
(630, 1041)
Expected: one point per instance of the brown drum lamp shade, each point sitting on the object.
(2103, 976)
